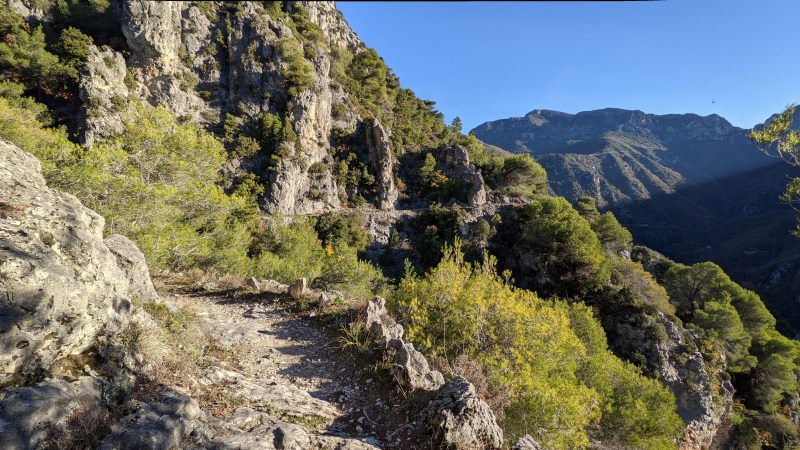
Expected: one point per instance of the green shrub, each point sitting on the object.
(561, 244)
(522, 176)
(73, 47)
(551, 357)
(24, 58)
(271, 127)
(309, 31)
(337, 230)
(637, 411)
(19, 124)
(297, 72)
(289, 251)
(164, 178)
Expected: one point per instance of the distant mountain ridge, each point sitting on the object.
(692, 187)
(618, 155)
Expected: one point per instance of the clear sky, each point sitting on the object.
(486, 61)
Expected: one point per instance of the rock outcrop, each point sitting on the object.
(381, 157)
(526, 443)
(104, 95)
(455, 415)
(674, 355)
(461, 420)
(62, 288)
(162, 424)
(454, 163)
(204, 62)
(299, 289)
(30, 416)
(133, 265)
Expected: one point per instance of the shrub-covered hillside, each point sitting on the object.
(265, 139)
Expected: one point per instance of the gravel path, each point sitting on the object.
(298, 366)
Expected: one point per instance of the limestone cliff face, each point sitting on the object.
(205, 60)
(703, 400)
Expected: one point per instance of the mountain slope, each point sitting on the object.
(694, 188)
(618, 155)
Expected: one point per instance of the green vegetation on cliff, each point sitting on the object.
(549, 358)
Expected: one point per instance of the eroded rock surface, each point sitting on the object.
(31, 416)
(682, 369)
(62, 290)
(455, 415)
(461, 419)
(526, 443)
(455, 164)
(131, 260)
(103, 93)
(381, 157)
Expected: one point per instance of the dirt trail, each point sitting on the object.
(298, 370)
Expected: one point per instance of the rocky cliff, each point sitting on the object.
(63, 289)
(321, 124)
(206, 62)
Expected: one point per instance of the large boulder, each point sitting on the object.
(131, 260)
(162, 424)
(35, 416)
(461, 420)
(62, 288)
(411, 369)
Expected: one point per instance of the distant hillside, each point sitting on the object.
(618, 155)
(694, 188)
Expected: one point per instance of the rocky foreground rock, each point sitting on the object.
(62, 289)
(455, 415)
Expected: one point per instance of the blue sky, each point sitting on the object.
(485, 61)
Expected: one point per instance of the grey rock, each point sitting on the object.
(381, 157)
(274, 286)
(411, 369)
(103, 93)
(454, 163)
(333, 24)
(299, 289)
(131, 260)
(162, 424)
(248, 429)
(32, 11)
(29, 416)
(63, 290)
(150, 28)
(283, 399)
(253, 284)
(682, 369)
(461, 420)
(381, 326)
(526, 443)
